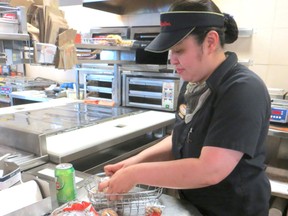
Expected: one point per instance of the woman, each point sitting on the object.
(215, 156)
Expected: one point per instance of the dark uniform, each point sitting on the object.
(234, 116)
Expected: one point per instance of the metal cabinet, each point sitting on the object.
(102, 78)
(151, 89)
(102, 84)
(277, 160)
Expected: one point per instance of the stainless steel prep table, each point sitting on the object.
(29, 96)
(78, 133)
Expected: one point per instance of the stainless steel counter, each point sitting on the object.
(26, 133)
(277, 159)
(85, 135)
(278, 130)
(173, 206)
(60, 118)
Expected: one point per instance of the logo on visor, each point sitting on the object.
(165, 23)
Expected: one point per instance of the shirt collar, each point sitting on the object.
(216, 77)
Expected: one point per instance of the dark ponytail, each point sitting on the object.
(231, 29)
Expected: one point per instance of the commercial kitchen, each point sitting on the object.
(94, 110)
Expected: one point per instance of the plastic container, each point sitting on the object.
(9, 25)
(44, 53)
(10, 16)
(73, 94)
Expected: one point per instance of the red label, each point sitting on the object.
(59, 183)
(165, 23)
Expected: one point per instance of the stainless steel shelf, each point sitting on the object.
(152, 74)
(101, 47)
(245, 32)
(277, 133)
(148, 68)
(23, 61)
(99, 89)
(14, 36)
(5, 100)
(97, 61)
(246, 62)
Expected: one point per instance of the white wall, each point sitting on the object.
(83, 18)
(267, 48)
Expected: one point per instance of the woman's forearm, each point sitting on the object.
(161, 151)
(158, 152)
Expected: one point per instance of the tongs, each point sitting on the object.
(2, 161)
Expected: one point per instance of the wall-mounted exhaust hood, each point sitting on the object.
(122, 7)
(69, 2)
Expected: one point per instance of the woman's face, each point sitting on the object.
(189, 60)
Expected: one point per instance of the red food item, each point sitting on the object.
(81, 207)
(74, 207)
(9, 16)
(153, 211)
(155, 214)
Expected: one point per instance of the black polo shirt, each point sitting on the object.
(234, 116)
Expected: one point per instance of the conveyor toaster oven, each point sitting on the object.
(152, 91)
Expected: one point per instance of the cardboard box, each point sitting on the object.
(10, 174)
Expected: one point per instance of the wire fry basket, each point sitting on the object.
(130, 204)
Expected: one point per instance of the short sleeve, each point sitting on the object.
(239, 114)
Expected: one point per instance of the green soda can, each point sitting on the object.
(65, 183)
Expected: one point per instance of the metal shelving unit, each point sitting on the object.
(14, 39)
(102, 78)
(13, 35)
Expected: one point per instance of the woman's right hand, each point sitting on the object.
(112, 168)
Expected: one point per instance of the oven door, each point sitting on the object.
(103, 32)
(122, 31)
(150, 92)
(144, 35)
